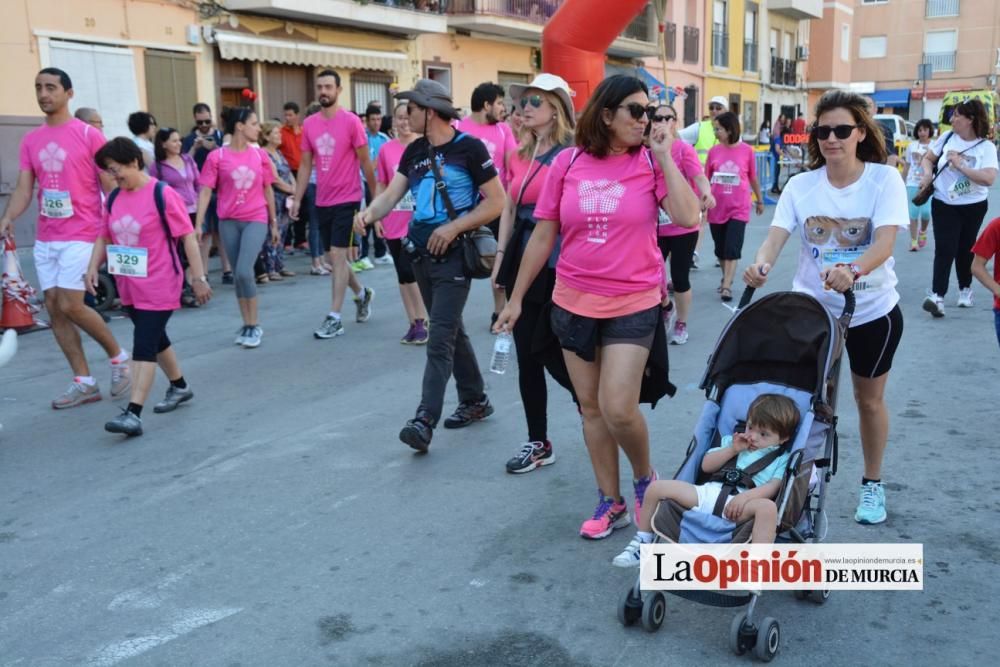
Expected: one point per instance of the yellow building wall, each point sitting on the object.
(731, 80)
(141, 21)
(472, 61)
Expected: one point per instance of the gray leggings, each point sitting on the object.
(243, 241)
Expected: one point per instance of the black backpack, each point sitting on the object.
(161, 208)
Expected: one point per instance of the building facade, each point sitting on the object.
(731, 58)
(785, 45)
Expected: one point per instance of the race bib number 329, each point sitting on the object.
(126, 261)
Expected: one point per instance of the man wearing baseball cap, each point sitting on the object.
(701, 135)
(463, 175)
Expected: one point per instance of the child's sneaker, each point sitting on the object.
(871, 507)
(610, 514)
(532, 455)
(630, 556)
(640, 485)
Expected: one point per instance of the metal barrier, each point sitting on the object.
(765, 174)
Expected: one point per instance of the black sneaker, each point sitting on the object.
(532, 455)
(468, 412)
(227, 278)
(417, 433)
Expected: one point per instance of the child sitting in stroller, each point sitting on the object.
(737, 492)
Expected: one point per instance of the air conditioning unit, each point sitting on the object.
(802, 53)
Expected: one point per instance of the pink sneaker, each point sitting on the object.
(922, 239)
(608, 516)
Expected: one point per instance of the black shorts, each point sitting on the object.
(728, 238)
(150, 335)
(335, 224)
(681, 251)
(582, 335)
(871, 346)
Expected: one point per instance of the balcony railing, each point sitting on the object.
(638, 29)
(535, 11)
(750, 56)
(670, 40)
(433, 6)
(941, 62)
(936, 8)
(692, 39)
(783, 72)
(720, 49)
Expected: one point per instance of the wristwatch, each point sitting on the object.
(856, 270)
(202, 279)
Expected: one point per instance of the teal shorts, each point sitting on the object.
(917, 212)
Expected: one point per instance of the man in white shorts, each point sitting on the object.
(59, 155)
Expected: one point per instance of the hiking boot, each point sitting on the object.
(418, 432)
(609, 515)
(364, 305)
(532, 455)
(331, 326)
(173, 398)
(934, 305)
(76, 394)
(126, 423)
(871, 506)
(468, 412)
(121, 379)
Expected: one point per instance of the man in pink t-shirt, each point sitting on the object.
(59, 156)
(334, 144)
(484, 123)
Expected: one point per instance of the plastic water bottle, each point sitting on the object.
(501, 352)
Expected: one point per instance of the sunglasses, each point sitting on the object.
(533, 100)
(715, 107)
(822, 132)
(661, 119)
(636, 110)
(203, 123)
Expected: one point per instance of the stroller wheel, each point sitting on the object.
(629, 608)
(820, 597)
(768, 640)
(737, 634)
(803, 595)
(654, 609)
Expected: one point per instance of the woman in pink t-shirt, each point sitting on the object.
(602, 199)
(241, 175)
(393, 227)
(140, 246)
(732, 171)
(678, 243)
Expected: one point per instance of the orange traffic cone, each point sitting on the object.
(17, 310)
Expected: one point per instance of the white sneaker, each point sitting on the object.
(366, 264)
(241, 335)
(253, 336)
(384, 259)
(630, 556)
(934, 305)
(965, 298)
(679, 335)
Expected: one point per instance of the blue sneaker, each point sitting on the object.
(871, 507)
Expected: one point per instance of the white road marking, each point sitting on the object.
(192, 619)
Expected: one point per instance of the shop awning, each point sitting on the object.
(236, 46)
(892, 97)
(657, 89)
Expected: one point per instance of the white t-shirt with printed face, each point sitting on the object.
(952, 186)
(915, 152)
(837, 226)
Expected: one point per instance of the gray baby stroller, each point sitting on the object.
(786, 343)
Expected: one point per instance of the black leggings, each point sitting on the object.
(531, 371)
(955, 231)
(150, 335)
(401, 260)
(681, 251)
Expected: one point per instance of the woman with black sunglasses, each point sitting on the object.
(601, 200)
(848, 209)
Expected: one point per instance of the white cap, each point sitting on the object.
(720, 100)
(552, 84)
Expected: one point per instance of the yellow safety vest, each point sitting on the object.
(706, 139)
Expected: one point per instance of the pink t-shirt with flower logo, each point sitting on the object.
(686, 159)
(334, 144)
(729, 170)
(239, 179)
(498, 139)
(134, 221)
(68, 179)
(395, 224)
(607, 213)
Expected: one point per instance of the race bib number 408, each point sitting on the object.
(126, 261)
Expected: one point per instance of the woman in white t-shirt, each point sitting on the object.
(967, 166)
(848, 209)
(913, 173)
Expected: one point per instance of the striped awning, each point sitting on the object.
(238, 46)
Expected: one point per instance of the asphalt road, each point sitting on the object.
(277, 520)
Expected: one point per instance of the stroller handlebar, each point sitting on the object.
(845, 315)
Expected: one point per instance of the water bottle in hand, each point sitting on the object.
(501, 352)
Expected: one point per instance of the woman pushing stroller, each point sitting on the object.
(771, 423)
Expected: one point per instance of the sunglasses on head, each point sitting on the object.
(533, 100)
(636, 110)
(822, 132)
